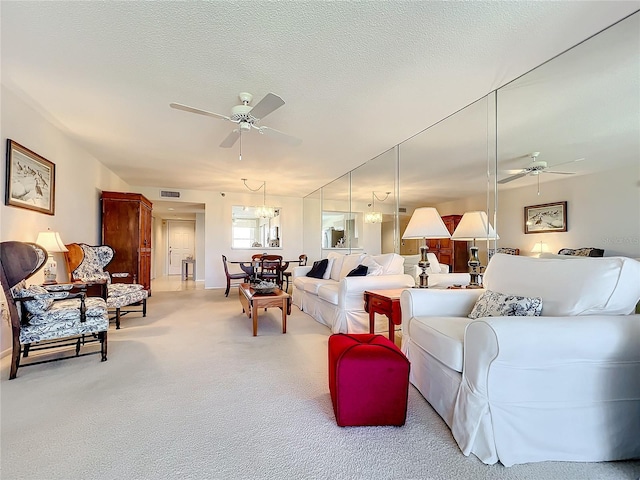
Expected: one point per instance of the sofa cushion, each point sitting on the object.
(337, 265)
(373, 267)
(442, 337)
(41, 302)
(311, 284)
(581, 286)
(359, 271)
(329, 292)
(327, 272)
(392, 263)
(318, 269)
(494, 304)
(349, 263)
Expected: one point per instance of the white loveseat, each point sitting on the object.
(562, 386)
(338, 301)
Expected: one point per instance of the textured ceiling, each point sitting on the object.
(357, 77)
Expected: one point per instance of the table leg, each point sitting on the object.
(392, 330)
(372, 320)
(284, 316)
(254, 316)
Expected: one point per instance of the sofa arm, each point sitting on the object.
(525, 367)
(421, 302)
(300, 271)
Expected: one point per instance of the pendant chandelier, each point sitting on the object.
(373, 216)
(262, 211)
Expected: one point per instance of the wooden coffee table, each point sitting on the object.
(384, 302)
(252, 302)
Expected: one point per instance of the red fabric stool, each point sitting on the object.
(368, 380)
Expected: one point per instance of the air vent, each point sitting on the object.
(402, 209)
(167, 193)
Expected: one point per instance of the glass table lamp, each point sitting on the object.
(425, 223)
(474, 226)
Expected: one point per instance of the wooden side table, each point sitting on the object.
(384, 302)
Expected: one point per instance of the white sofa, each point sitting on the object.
(338, 301)
(563, 386)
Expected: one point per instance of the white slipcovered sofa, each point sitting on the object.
(338, 301)
(561, 386)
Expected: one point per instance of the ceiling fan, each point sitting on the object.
(536, 167)
(247, 117)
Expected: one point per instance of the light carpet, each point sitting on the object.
(189, 393)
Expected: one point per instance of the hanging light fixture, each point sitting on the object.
(373, 216)
(262, 211)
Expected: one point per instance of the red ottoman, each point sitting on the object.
(368, 380)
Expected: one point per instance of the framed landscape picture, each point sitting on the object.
(549, 217)
(30, 180)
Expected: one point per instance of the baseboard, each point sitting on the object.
(5, 353)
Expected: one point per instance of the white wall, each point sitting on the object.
(217, 228)
(603, 211)
(80, 178)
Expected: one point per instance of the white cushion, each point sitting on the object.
(434, 264)
(392, 263)
(442, 337)
(374, 268)
(337, 265)
(349, 263)
(327, 272)
(329, 292)
(588, 286)
(312, 284)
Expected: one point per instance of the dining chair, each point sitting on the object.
(244, 276)
(302, 261)
(271, 269)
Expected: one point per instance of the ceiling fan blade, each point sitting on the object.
(187, 108)
(564, 163)
(514, 172)
(512, 178)
(559, 173)
(268, 104)
(283, 137)
(231, 139)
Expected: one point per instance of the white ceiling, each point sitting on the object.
(357, 77)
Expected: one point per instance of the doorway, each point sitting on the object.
(181, 237)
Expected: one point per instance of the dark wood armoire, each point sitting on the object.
(455, 254)
(126, 227)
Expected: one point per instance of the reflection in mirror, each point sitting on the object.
(340, 228)
(447, 167)
(373, 196)
(568, 131)
(312, 223)
(249, 230)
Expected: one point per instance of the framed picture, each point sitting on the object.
(549, 217)
(31, 180)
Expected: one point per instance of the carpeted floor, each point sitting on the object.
(188, 393)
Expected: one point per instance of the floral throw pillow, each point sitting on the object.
(494, 304)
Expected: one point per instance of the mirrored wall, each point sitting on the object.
(568, 130)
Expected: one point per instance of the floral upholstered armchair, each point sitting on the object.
(42, 320)
(86, 263)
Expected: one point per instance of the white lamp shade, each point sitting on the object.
(540, 247)
(474, 226)
(426, 223)
(51, 242)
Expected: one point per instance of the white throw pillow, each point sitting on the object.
(337, 258)
(327, 272)
(494, 304)
(349, 263)
(374, 268)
